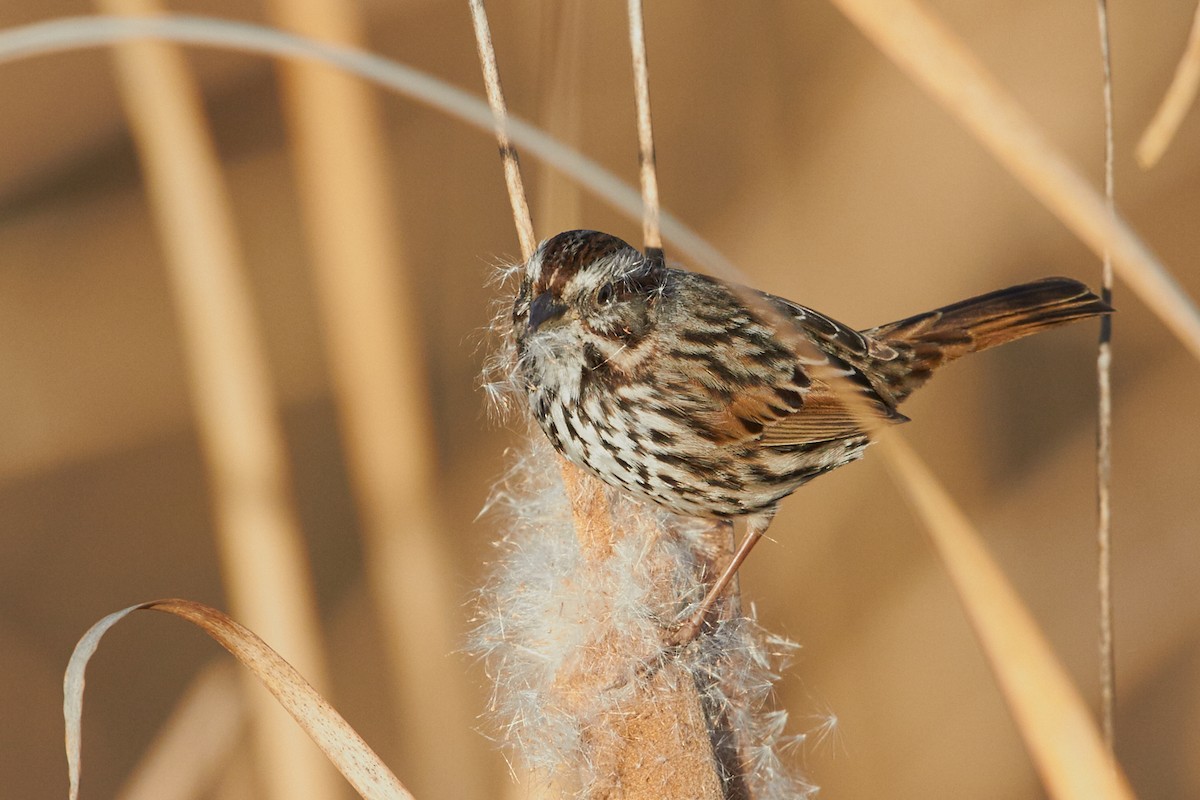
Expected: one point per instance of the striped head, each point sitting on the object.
(590, 281)
(586, 303)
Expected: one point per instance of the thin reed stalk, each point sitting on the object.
(262, 553)
(647, 162)
(1108, 665)
(664, 719)
(499, 109)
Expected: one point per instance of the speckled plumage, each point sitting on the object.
(663, 382)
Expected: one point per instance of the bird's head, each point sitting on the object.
(590, 282)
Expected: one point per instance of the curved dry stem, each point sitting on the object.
(81, 32)
(346, 749)
(1180, 96)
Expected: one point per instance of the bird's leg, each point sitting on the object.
(756, 526)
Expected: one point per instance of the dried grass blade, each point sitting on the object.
(1056, 724)
(345, 748)
(508, 153)
(651, 226)
(1180, 96)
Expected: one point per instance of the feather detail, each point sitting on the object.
(928, 341)
(787, 414)
(826, 418)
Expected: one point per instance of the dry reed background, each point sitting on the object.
(803, 154)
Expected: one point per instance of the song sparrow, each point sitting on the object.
(719, 401)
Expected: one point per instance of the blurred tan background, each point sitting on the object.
(803, 154)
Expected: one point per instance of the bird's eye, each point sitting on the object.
(606, 294)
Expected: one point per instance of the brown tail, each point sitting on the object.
(929, 340)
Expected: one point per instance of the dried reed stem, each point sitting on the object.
(922, 45)
(263, 558)
(508, 153)
(312, 714)
(662, 748)
(373, 334)
(593, 522)
(651, 227)
(1180, 97)
(1108, 679)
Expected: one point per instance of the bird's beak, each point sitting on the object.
(543, 309)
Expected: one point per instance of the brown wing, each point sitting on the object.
(825, 417)
(809, 405)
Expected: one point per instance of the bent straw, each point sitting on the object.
(1180, 96)
(353, 757)
(78, 32)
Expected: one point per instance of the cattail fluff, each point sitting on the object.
(546, 606)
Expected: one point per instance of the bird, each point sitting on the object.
(716, 400)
